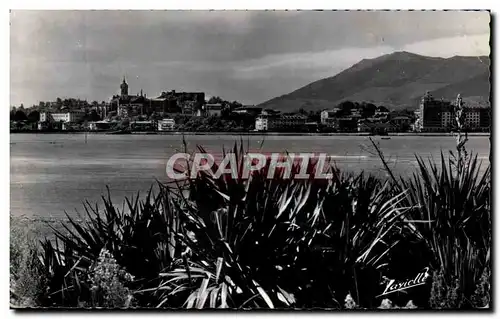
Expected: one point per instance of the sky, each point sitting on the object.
(248, 56)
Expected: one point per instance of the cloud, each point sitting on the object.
(305, 62)
(336, 60)
(466, 45)
(245, 55)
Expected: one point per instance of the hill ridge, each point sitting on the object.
(397, 80)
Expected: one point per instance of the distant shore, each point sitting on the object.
(255, 133)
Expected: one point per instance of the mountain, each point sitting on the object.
(397, 80)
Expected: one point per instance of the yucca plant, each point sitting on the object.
(282, 242)
(140, 238)
(451, 217)
(454, 207)
(221, 242)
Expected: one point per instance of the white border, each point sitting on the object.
(199, 5)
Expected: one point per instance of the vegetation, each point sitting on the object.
(275, 243)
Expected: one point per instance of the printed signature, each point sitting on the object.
(394, 286)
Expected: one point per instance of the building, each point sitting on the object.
(347, 124)
(276, 122)
(381, 111)
(43, 126)
(485, 117)
(181, 102)
(66, 117)
(166, 125)
(142, 126)
(168, 102)
(377, 127)
(329, 117)
(401, 122)
(101, 125)
(439, 115)
(472, 118)
(129, 105)
(248, 110)
(212, 109)
(434, 115)
(261, 123)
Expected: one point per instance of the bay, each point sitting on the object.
(53, 173)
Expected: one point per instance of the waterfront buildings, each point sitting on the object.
(168, 102)
(381, 111)
(401, 122)
(66, 117)
(142, 126)
(248, 110)
(166, 125)
(212, 109)
(377, 127)
(276, 122)
(439, 115)
(61, 120)
(329, 118)
(101, 125)
(183, 102)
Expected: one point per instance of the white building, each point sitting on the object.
(328, 117)
(261, 123)
(166, 125)
(446, 119)
(472, 118)
(100, 125)
(265, 122)
(67, 117)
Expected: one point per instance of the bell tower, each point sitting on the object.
(124, 87)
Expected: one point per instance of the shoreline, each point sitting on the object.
(257, 133)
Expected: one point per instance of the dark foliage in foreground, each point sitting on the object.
(279, 243)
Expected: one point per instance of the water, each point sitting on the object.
(53, 173)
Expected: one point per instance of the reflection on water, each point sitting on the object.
(51, 173)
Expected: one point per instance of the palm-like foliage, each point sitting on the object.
(454, 209)
(282, 242)
(139, 236)
(451, 217)
(219, 242)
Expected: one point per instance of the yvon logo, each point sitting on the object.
(394, 286)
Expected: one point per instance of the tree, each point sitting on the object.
(59, 103)
(34, 116)
(346, 105)
(234, 105)
(368, 110)
(215, 100)
(94, 116)
(302, 111)
(383, 109)
(20, 115)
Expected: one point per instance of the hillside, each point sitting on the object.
(397, 80)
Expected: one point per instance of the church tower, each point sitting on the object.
(124, 88)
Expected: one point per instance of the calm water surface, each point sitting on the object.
(53, 173)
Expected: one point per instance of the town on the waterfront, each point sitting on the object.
(190, 112)
(299, 160)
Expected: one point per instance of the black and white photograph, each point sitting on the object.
(251, 160)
